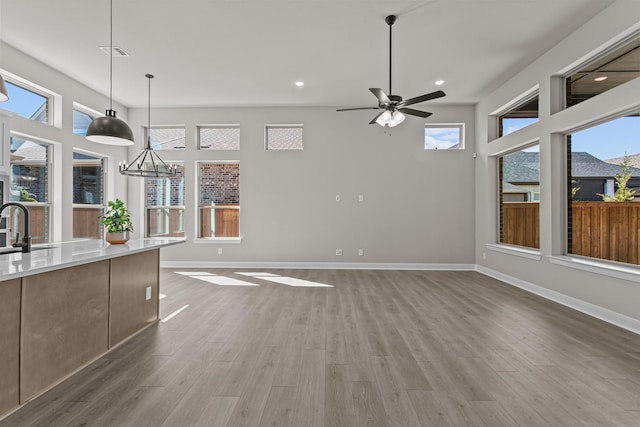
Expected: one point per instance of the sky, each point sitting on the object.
(22, 101)
(605, 141)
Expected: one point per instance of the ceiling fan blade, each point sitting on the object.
(357, 108)
(413, 112)
(382, 97)
(376, 117)
(418, 99)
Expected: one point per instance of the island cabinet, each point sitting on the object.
(65, 323)
(9, 344)
(134, 294)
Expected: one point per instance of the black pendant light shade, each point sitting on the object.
(110, 130)
(4, 94)
(148, 164)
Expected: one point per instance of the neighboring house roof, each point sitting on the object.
(524, 167)
(30, 151)
(634, 160)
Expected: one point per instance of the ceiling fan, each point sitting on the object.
(393, 106)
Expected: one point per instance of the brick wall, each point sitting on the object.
(219, 183)
(157, 194)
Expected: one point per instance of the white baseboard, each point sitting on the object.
(318, 265)
(625, 322)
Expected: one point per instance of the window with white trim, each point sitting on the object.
(166, 137)
(164, 213)
(283, 137)
(444, 136)
(219, 199)
(28, 102)
(219, 137)
(520, 114)
(88, 195)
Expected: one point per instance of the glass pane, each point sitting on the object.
(219, 138)
(29, 171)
(617, 67)
(81, 122)
(27, 103)
(519, 117)
(167, 138)
(284, 138)
(519, 181)
(219, 199)
(165, 205)
(442, 137)
(603, 187)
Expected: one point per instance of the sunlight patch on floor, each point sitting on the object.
(289, 281)
(224, 281)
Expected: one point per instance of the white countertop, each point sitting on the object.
(54, 256)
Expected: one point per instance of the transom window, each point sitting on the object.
(283, 137)
(522, 114)
(82, 118)
(444, 136)
(27, 102)
(166, 137)
(219, 137)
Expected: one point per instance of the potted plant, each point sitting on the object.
(117, 222)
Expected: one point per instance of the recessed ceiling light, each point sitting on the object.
(439, 82)
(299, 83)
(600, 79)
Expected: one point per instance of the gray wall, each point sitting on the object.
(418, 205)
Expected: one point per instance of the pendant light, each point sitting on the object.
(4, 93)
(109, 129)
(148, 164)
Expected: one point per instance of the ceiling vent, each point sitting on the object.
(114, 51)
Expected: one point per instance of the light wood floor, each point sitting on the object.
(380, 348)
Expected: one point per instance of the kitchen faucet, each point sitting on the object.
(26, 239)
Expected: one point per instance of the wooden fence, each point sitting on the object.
(86, 222)
(165, 221)
(520, 224)
(604, 230)
(227, 221)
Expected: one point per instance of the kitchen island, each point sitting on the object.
(64, 305)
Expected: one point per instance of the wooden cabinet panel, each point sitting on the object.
(130, 310)
(9, 344)
(65, 321)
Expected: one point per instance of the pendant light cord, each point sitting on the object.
(111, 56)
(390, 47)
(149, 76)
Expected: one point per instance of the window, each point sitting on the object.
(615, 67)
(27, 102)
(521, 114)
(444, 137)
(603, 190)
(88, 196)
(30, 182)
(167, 138)
(219, 199)
(165, 205)
(222, 137)
(82, 118)
(283, 137)
(519, 195)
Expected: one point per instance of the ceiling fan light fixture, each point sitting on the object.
(396, 119)
(384, 118)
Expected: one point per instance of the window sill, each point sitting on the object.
(598, 267)
(217, 240)
(515, 250)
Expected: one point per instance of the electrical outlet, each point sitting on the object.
(484, 255)
(148, 293)
(360, 252)
(361, 197)
(338, 252)
(337, 197)
(219, 251)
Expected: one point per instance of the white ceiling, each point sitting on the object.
(250, 52)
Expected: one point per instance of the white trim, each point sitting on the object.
(514, 250)
(593, 310)
(216, 240)
(593, 266)
(317, 265)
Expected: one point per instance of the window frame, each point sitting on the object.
(103, 161)
(148, 207)
(523, 99)
(93, 114)
(218, 126)
(283, 126)
(197, 214)
(53, 99)
(461, 130)
(146, 136)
